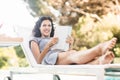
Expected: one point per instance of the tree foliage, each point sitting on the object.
(12, 56)
(71, 10)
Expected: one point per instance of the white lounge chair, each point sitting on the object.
(34, 68)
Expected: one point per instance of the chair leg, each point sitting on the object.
(7, 78)
(56, 77)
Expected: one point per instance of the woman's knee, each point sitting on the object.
(66, 57)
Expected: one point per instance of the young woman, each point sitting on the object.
(43, 39)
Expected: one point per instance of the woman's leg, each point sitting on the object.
(85, 56)
(107, 58)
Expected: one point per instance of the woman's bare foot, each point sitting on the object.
(106, 46)
(107, 58)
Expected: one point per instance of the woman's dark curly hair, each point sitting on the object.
(36, 30)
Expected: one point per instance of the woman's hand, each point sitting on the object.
(53, 41)
(70, 40)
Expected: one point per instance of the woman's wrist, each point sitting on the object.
(49, 45)
(70, 46)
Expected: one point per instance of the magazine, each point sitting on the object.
(62, 32)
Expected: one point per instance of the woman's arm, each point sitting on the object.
(36, 51)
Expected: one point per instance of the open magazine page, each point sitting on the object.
(62, 33)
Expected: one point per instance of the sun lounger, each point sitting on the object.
(34, 68)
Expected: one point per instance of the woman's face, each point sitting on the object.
(45, 28)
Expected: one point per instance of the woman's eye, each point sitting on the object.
(44, 25)
(49, 25)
